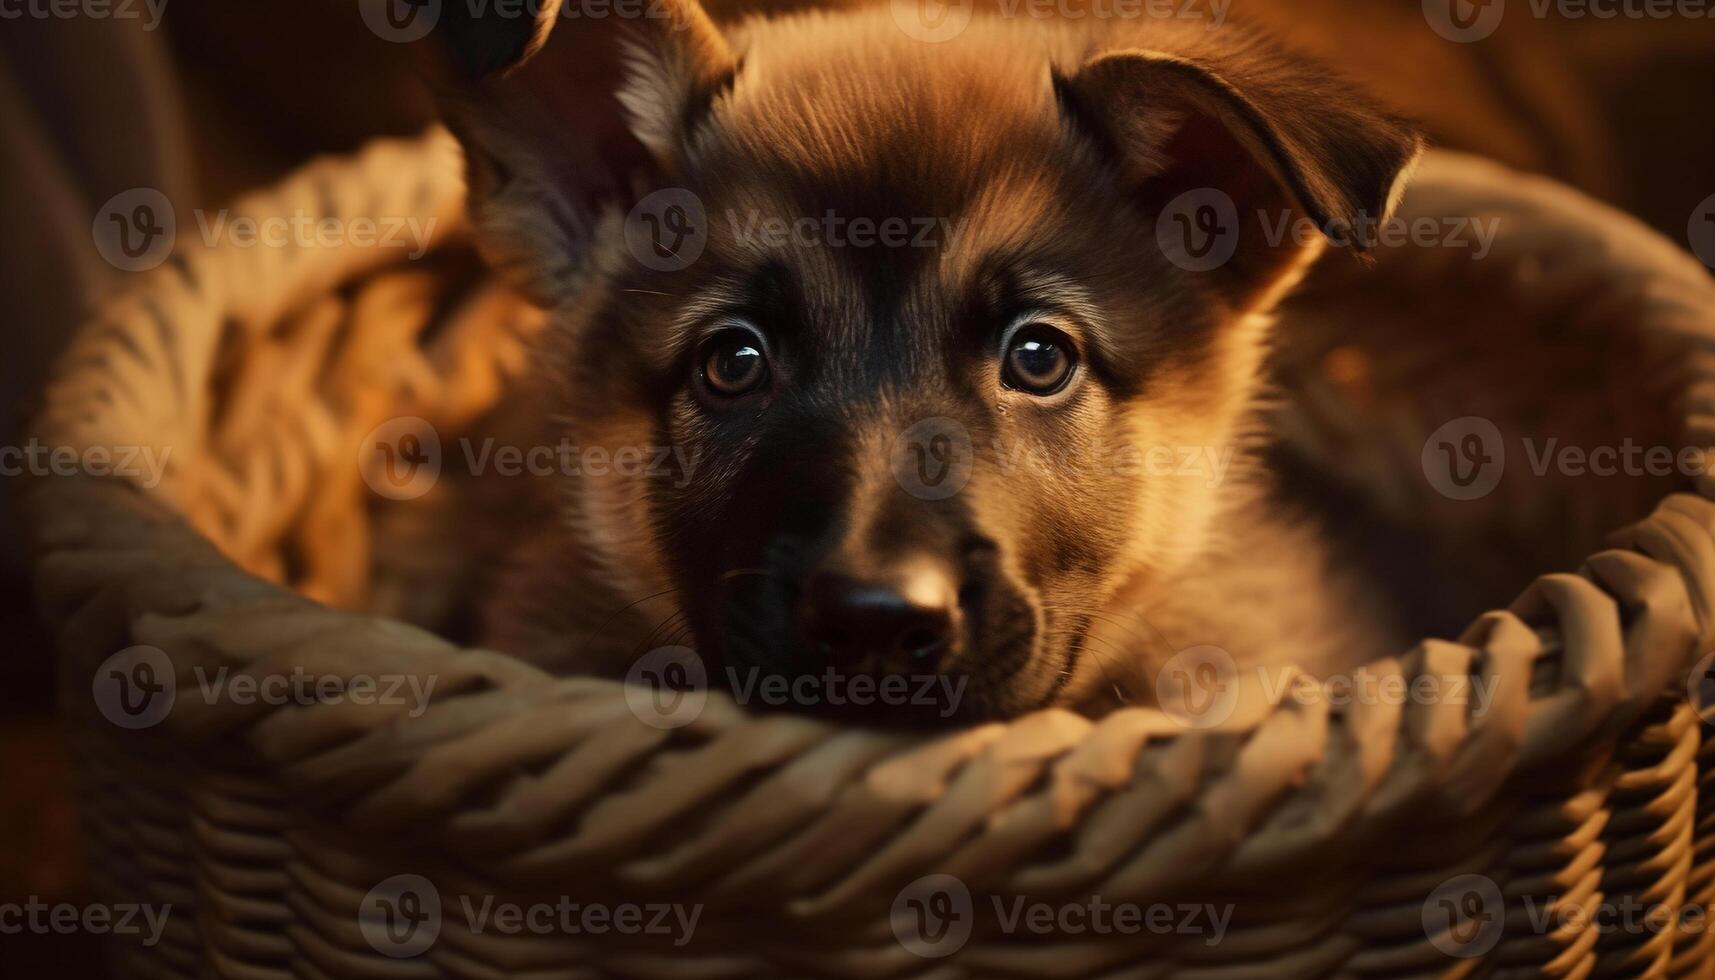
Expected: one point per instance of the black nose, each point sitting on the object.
(905, 622)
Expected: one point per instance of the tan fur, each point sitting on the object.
(832, 103)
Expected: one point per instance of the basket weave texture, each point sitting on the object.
(1326, 830)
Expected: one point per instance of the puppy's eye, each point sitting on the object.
(733, 363)
(1039, 359)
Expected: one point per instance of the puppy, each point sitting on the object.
(1016, 449)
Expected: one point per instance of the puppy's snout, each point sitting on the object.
(904, 620)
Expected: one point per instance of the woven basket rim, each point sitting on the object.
(984, 801)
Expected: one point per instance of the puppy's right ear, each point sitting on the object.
(1261, 130)
(562, 118)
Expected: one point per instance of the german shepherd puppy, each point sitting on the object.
(1030, 335)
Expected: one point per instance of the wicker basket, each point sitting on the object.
(348, 837)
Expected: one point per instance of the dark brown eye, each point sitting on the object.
(1039, 360)
(733, 363)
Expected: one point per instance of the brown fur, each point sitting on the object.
(1050, 148)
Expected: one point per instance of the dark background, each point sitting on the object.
(222, 97)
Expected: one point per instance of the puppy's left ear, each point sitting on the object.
(1274, 133)
(563, 119)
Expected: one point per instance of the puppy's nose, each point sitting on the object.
(905, 622)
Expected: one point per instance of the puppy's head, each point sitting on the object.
(949, 341)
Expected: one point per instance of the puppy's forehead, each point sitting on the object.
(839, 131)
(863, 105)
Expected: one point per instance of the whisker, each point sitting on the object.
(733, 573)
(1101, 649)
(632, 605)
(1152, 641)
(649, 640)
